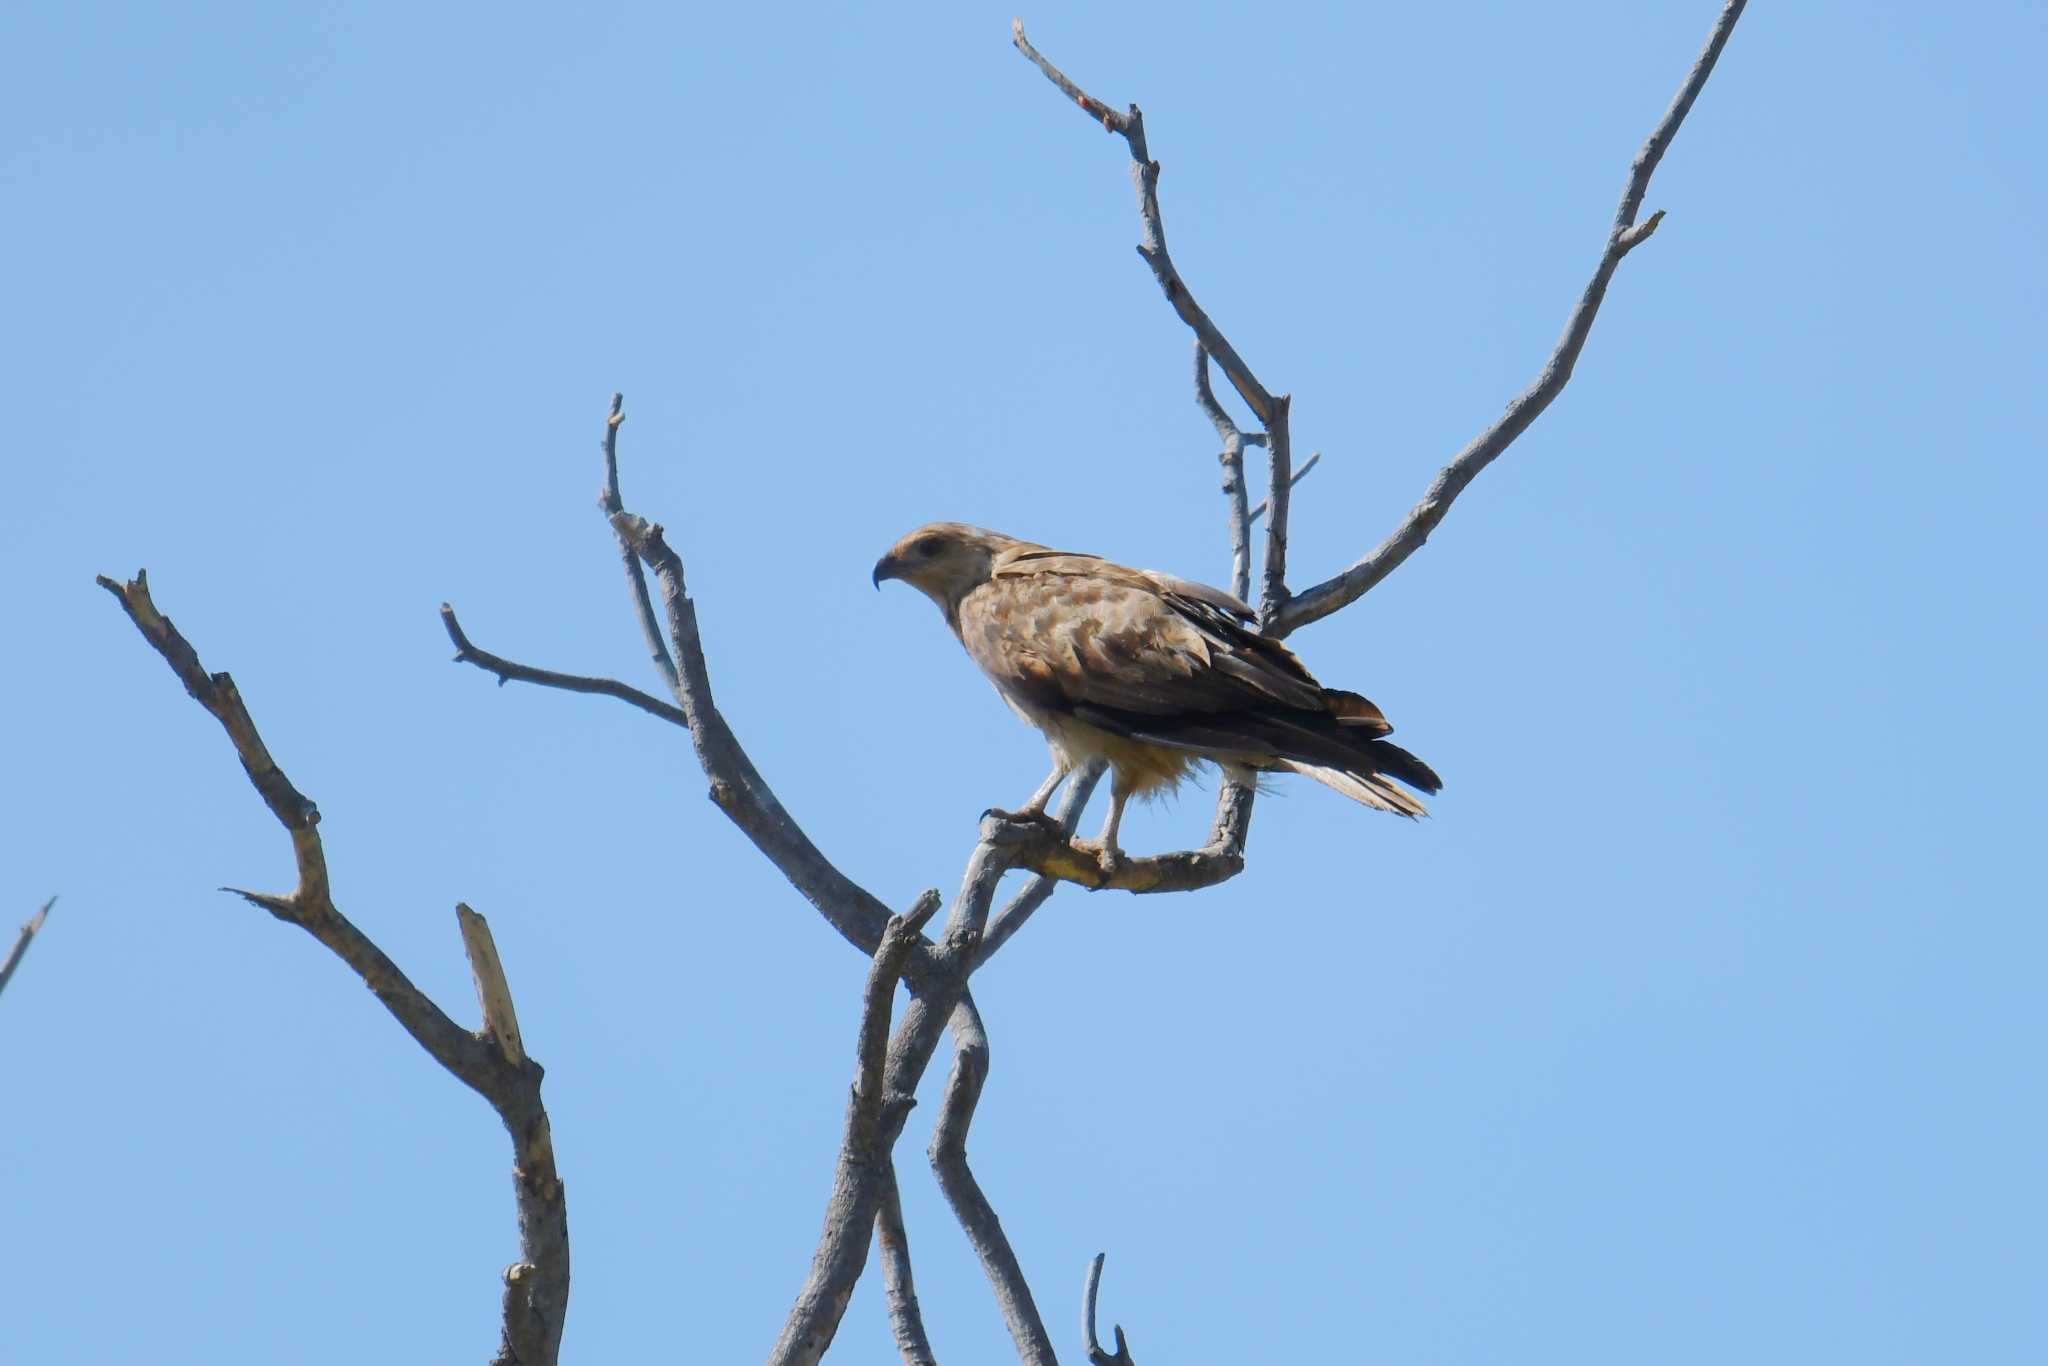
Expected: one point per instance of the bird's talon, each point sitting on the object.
(1108, 858)
(1019, 817)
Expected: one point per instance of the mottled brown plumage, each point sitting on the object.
(1146, 671)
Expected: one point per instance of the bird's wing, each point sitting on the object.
(1071, 632)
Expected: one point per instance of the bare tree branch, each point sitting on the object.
(736, 785)
(898, 937)
(1043, 848)
(217, 693)
(899, 1289)
(509, 671)
(493, 1063)
(21, 942)
(1096, 1356)
(1623, 237)
(1130, 125)
(1231, 457)
(537, 1285)
(971, 1206)
(1279, 487)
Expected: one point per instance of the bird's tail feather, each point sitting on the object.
(1390, 759)
(1371, 788)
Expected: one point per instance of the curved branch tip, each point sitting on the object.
(1089, 1289)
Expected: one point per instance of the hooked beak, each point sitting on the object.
(888, 567)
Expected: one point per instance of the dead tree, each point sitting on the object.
(937, 971)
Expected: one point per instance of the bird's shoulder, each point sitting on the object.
(1027, 563)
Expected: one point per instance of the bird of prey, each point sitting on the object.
(1145, 671)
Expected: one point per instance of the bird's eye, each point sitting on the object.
(926, 547)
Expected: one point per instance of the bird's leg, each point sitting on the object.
(1034, 808)
(1104, 845)
(1045, 789)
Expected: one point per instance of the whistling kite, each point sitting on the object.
(1145, 671)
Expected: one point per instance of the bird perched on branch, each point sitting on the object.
(1146, 672)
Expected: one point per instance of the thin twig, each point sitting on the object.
(609, 500)
(899, 1287)
(491, 1063)
(1622, 237)
(1299, 475)
(1089, 1289)
(509, 671)
(21, 942)
(948, 1153)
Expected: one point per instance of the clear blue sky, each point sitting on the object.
(1703, 1023)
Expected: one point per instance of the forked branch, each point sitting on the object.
(1624, 236)
(491, 1062)
(736, 785)
(885, 1083)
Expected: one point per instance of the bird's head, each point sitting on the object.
(944, 560)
